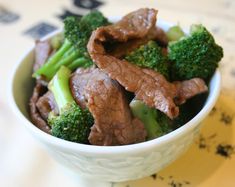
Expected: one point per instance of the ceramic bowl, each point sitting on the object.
(113, 163)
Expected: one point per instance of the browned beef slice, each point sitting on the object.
(42, 52)
(114, 124)
(119, 50)
(46, 104)
(78, 85)
(136, 25)
(148, 85)
(189, 88)
(161, 36)
(35, 115)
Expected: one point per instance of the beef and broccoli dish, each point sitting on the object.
(104, 83)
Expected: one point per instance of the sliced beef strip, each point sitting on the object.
(105, 98)
(39, 106)
(37, 119)
(42, 52)
(78, 85)
(189, 88)
(46, 104)
(123, 48)
(148, 85)
(136, 25)
(161, 37)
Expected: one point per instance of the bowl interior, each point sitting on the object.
(23, 83)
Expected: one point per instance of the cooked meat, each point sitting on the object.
(123, 48)
(105, 98)
(35, 115)
(46, 104)
(161, 37)
(135, 25)
(148, 85)
(189, 88)
(42, 52)
(78, 83)
(119, 50)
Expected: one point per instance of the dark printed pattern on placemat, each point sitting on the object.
(68, 13)
(171, 181)
(87, 4)
(40, 30)
(232, 72)
(78, 6)
(7, 16)
(226, 119)
(225, 150)
(212, 142)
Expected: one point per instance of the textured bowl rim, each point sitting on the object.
(123, 149)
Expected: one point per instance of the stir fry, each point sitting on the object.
(104, 83)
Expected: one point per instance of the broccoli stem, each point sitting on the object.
(148, 117)
(44, 70)
(69, 52)
(59, 86)
(76, 33)
(175, 33)
(52, 66)
(79, 62)
(57, 41)
(66, 60)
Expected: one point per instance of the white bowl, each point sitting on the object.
(113, 163)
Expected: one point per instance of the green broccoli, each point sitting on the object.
(78, 31)
(57, 41)
(72, 123)
(174, 33)
(156, 123)
(195, 55)
(73, 50)
(151, 56)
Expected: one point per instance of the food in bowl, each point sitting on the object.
(120, 83)
(111, 163)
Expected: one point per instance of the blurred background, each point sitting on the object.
(211, 159)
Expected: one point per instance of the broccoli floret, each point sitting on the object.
(151, 56)
(156, 123)
(72, 123)
(174, 33)
(73, 52)
(195, 55)
(79, 31)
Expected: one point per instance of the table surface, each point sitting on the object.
(210, 161)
